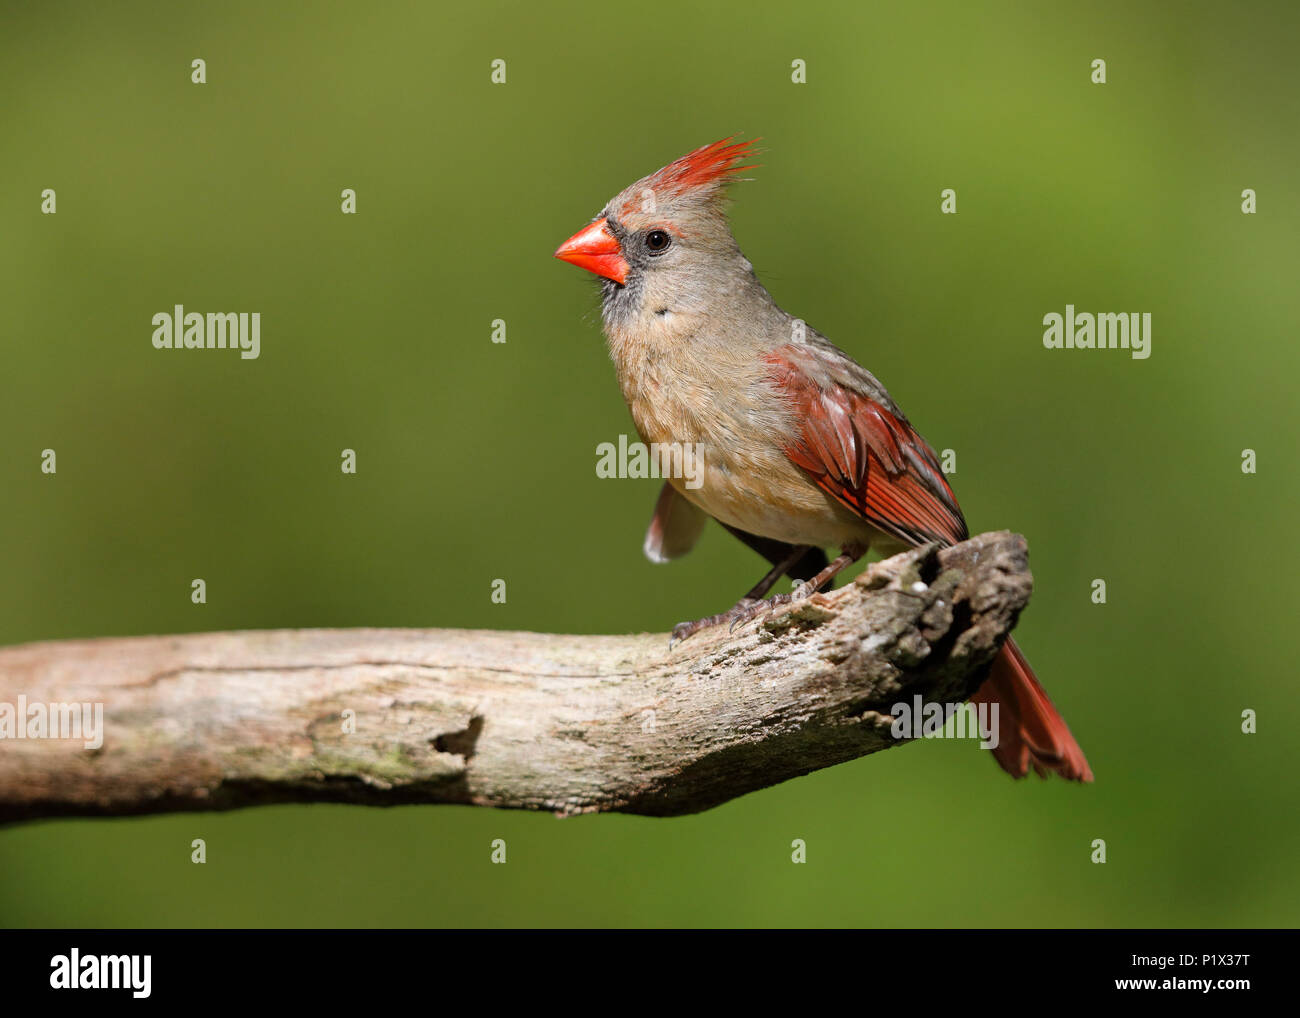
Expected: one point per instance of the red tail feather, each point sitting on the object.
(1031, 732)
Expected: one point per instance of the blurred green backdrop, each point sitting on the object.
(477, 460)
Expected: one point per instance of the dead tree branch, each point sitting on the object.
(570, 724)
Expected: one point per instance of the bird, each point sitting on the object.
(802, 448)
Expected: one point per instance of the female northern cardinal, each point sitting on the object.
(802, 448)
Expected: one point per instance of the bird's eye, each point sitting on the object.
(657, 241)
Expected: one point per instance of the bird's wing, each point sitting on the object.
(855, 443)
(857, 446)
(675, 526)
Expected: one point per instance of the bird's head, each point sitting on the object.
(663, 245)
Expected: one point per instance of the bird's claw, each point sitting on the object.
(686, 629)
(744, 612)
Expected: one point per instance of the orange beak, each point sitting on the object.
(595, 249)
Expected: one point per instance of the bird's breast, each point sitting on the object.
(730, 430)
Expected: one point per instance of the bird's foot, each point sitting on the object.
(746, 610)
(685, 629)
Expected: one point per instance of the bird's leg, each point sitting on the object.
(849, 554)
(813, 561)
(684, 629)
(775, 573)
(751, 605)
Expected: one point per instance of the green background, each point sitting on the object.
(476, 460)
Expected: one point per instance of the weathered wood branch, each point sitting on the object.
(571, 724)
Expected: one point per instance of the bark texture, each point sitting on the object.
(569, 724)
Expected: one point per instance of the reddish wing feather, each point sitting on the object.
(869, 459)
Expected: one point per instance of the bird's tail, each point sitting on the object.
(1031, 732)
